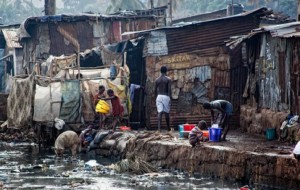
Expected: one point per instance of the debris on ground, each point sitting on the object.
(18, 135)
(133, 164)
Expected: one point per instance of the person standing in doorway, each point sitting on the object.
(224, 110)
(163, 96)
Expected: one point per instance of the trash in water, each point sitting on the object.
(65, 174)
(91, 164)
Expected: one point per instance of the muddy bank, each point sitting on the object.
(250, 159)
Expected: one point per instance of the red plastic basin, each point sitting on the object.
(188, 127)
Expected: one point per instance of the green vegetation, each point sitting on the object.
(16, 11)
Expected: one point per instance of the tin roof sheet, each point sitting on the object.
(287, 30)
(260, 11)
(11, 38)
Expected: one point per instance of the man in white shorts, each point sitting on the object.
(296, 151)
(163, 96)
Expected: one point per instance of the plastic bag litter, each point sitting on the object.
(59, 123)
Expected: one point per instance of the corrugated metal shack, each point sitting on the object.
(41, 38)
(199, 65)
(10, 55)
(271, 55)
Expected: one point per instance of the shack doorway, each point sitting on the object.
(137, 67)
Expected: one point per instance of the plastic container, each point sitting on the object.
(102, 107)
(270, 134)
(188, 127)
(180, 129)
(215, 134)
(205, 133)
(125, 128)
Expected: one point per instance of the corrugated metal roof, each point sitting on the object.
(11, 38)
(157, 44)
(284, 30)
(260, 11)
(287, 30)
(208, 34)
(84, 17)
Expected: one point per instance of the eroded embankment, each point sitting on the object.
(261, 168)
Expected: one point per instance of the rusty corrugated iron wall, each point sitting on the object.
(189, 50)
(82, 31)
(90, 31)
(208, 34)
(196, 79)
(276, 73)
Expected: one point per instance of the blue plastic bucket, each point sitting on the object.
(215, 134)
(270, 134)
(180, 129)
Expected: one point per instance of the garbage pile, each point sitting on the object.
(17, 135)
(134, 165)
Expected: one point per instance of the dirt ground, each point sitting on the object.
(236, 140)
(241, 141)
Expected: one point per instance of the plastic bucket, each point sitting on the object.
(180, 129)
(270, 134)
(102, 107)
(188, 127)
(206, 134)
(215, 134)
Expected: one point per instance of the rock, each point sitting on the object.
(65, 174)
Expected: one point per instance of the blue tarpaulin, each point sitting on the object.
(55, 18)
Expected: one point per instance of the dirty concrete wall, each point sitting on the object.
(3, 107)
(259, 166)
(195, 79)
(256, 122)
(254, 168)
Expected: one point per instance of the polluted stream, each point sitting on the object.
(22, 166)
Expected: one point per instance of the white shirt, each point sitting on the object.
(133, 87)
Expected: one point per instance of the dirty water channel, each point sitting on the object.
(22, 166)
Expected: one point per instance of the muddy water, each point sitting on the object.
(22, 166)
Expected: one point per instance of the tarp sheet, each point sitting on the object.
(46, 105)
(2, 72)
(88, 107)
(20, 101)
(71, 102)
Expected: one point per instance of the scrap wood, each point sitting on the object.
(4, 124)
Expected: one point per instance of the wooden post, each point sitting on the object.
(74, 42)
(170, 10)
(298, 11)
(232, 10)
(151, 4)
(50, 7)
